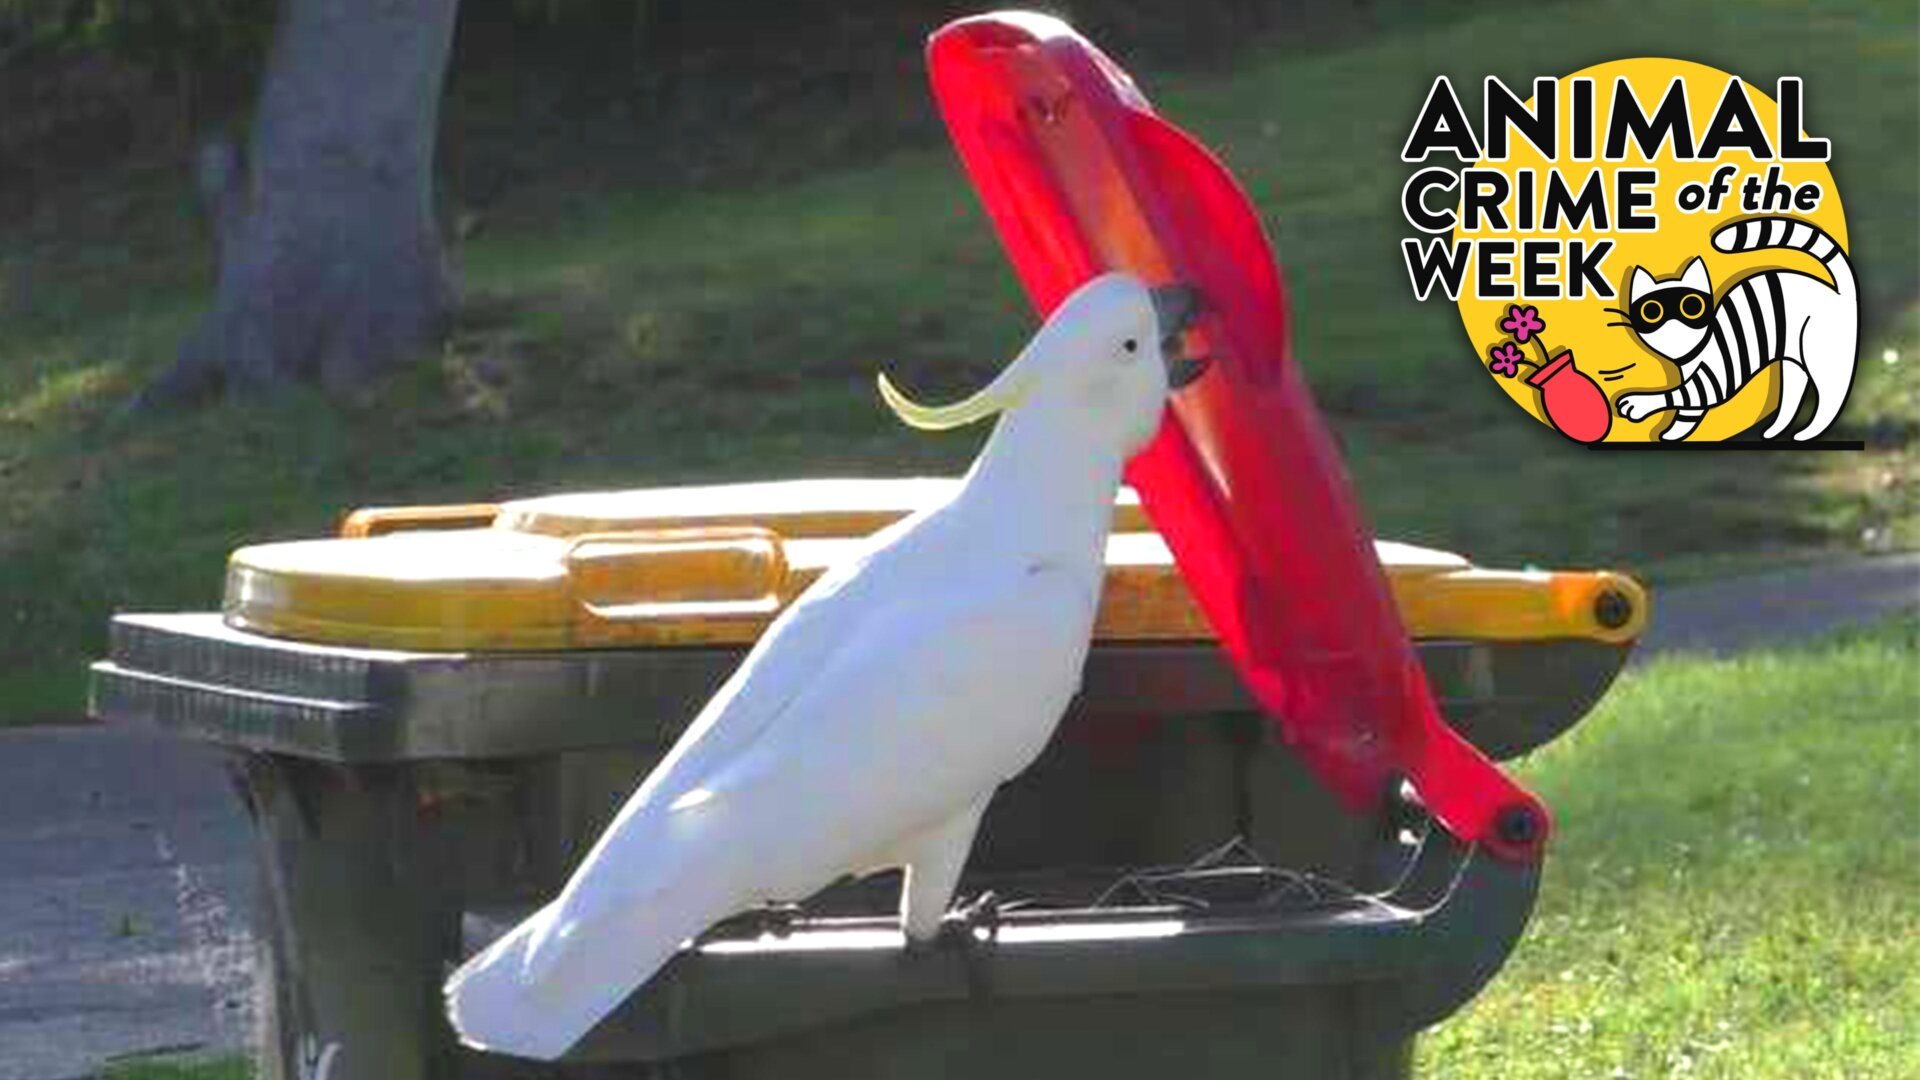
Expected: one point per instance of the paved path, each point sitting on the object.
(124, 884)
(1736, 613)
(125, 880)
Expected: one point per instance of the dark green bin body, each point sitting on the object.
(410, 805)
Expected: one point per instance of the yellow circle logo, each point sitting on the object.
(1643, 250)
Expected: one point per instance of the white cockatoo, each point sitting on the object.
(877, 715)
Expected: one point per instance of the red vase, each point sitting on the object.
(1575, 404)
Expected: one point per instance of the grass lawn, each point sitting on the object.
(1731, 892)
(675, 336)
(224, 1069)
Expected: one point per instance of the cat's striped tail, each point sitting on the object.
(1776, 231)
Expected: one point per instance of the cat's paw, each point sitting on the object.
(1640, 406)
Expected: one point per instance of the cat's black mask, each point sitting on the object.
(1676, 303)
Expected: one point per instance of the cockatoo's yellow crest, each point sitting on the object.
(993, 399)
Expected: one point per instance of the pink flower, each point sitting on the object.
(1522, 322)
(1506, 359)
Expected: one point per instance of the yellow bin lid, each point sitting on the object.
(710, 566)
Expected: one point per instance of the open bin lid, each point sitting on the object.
(1080, 176)
(711, 566)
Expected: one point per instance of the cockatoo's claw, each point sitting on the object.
(963, 923)
(982, 910)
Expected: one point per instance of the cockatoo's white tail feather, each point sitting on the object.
(489, 1001)
(537, 991)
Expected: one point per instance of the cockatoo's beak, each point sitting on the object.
(1176, 307)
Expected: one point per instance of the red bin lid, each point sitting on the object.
(1081, 177)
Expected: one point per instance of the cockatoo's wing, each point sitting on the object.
(935, 701)
(909, 727)
(789, 654)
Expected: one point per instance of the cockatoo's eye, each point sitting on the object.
(1131, 346)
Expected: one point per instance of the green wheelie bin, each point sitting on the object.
(431, 716)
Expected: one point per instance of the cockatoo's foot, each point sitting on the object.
(959, 929)
(963, 925)
(982, 911)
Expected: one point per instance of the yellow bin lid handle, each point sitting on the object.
(381, 520)
(682, 574)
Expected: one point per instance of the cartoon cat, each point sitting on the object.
(1768, 315)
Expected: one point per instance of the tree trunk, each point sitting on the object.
(330, 260)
